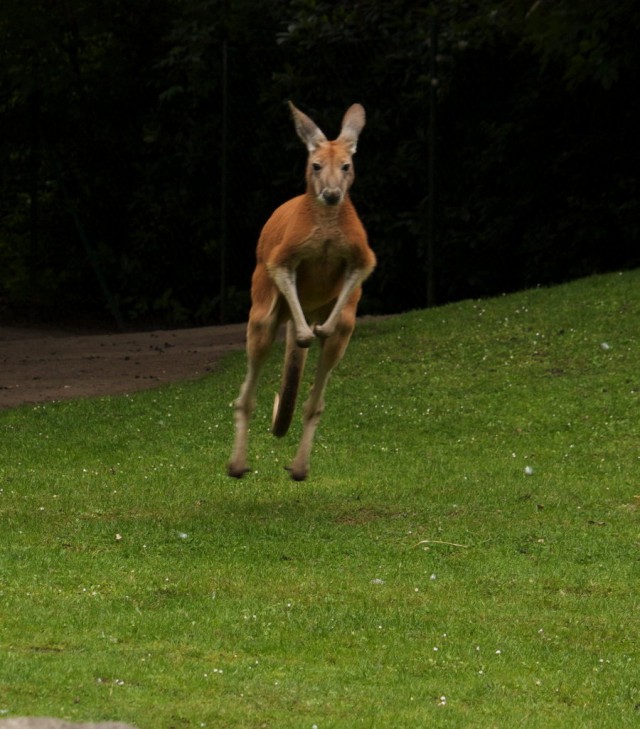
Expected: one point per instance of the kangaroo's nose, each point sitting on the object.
(331, 196)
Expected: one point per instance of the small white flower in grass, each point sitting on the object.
(118, 537)
(433, 576)
(498, 652)
(528, 470)
(442, 701)
(605, 346)
(183, 535)
(377, 581)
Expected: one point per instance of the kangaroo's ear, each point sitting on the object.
(352, 124)
(307, 130)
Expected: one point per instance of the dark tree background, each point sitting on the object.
(143, 145)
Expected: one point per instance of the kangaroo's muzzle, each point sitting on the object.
(331, 195)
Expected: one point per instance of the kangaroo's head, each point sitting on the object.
(330, 165)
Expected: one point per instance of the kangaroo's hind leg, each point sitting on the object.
(261, 332)
(333, 348)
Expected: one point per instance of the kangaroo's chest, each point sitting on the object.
(321, 267)
(324, 246)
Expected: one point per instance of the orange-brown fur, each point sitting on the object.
(312, 258)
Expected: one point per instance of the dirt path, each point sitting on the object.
(42, 365)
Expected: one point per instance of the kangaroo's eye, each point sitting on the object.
(346, 167)
(316, 167)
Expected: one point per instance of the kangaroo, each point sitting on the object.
(312, 258)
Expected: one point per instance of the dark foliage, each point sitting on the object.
(143, 146)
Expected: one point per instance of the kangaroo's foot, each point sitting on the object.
(237, 471)
(297, 473)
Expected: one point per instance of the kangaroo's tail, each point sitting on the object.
(284, 403)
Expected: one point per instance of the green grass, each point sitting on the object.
(420, 560)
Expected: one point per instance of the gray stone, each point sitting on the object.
(42, 722)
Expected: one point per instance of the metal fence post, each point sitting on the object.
(223, 182)
(431, 161)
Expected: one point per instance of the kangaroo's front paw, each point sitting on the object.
(304, 337)
(322, 331)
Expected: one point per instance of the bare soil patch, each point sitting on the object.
(42, 365)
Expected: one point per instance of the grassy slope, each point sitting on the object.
(420, 560)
